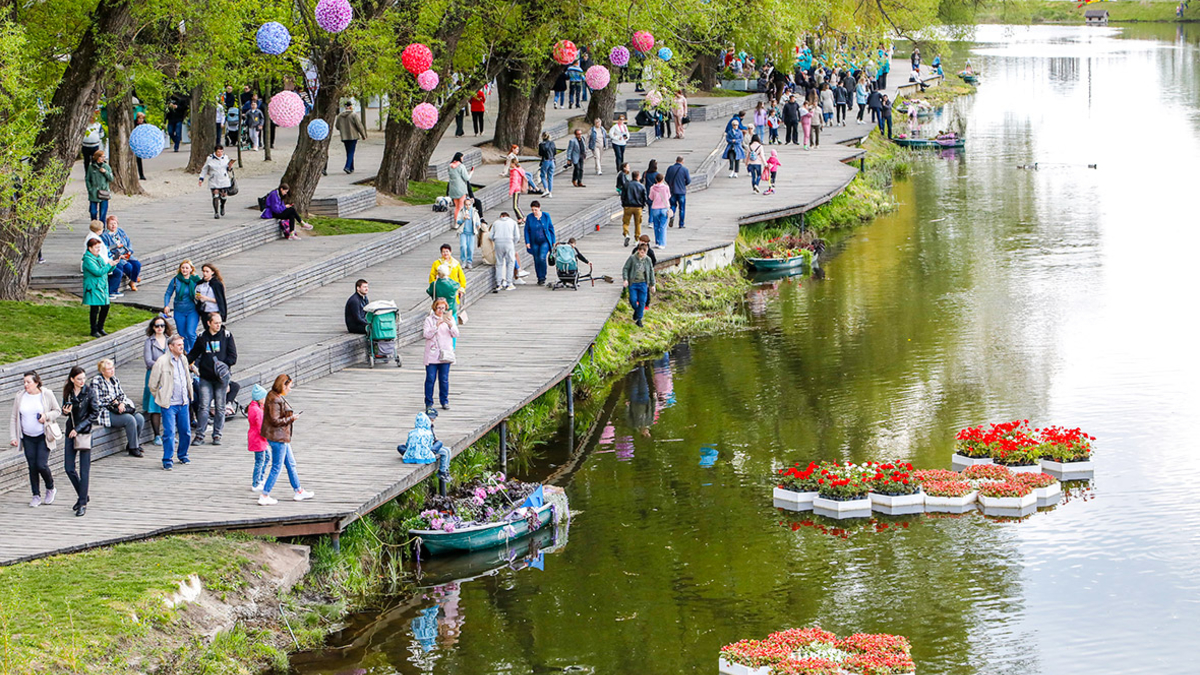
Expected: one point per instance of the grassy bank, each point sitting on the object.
(48, 324)
(327, 226)
(1059, 11)
(942, 94)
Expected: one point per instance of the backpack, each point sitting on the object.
(564, 258)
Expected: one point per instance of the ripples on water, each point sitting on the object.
(1061, 295)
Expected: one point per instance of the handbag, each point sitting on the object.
(462, 317)
(83, 441)
(687, 119)
(103, 195)
(53, 432)
(446, 355)
(232, 190)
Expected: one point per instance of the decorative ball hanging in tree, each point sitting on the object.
(665, 54)
(619, 56)
(146, 141)
(286, 109)
(424, 116)
(597, 77)
(417, 58)
(318, 130)
(653, 98)
(273, 38)
(565, 52)
(643, 41)
(428, 80)
(334, 15)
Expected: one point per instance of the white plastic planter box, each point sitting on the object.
(1049, 492)
(951, 504)
(727, 668)
(1008, 503)
(795, 501)
(899, 505)
(1069, 470)
(1031, 468)
(962, 461)
(853, 508)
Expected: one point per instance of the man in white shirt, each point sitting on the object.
(618, 135)
(506, 235)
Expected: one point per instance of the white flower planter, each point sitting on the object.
(727, 668)
(1032, 468)
(951, 504)
(796, 501)
(960, 462)
(854, 508)
(898, 505)
(1008, 503)
(1049, 492)
(1069, 470)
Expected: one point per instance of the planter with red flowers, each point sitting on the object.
(1009, 495)
(813, 651)
(895, 491)
(971, 446)
(797, 487)
(1067, 453)
(949, 496)
(1045, 487)
(842, 490)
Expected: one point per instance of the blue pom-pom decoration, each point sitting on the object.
(318, 130)
(273, 38)
(665, 54)
(147, 141)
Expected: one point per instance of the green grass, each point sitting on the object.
(1059, 11)
(424, 192)
(34, 328)
(326, 226)
(720, 93)
(950, 89)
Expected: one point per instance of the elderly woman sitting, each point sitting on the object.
(278, 208)
(117, 409)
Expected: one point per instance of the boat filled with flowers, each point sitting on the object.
(486, 513)
(815, 651)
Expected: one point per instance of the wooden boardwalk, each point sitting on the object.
(517, 345)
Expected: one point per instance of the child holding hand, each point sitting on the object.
(772, 171)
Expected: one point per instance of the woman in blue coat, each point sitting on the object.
(734, 151)
(183, 289)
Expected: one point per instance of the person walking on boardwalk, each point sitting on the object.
(456, 269)
(33, 428)
(679, 109)
(214, 354)
(254, 124)
(158, 332)
(660, 205)
(95, 286)
(760, 120)
(885, 114)
(210, 293)
(219, 170)
(539, 238)
(678, 180)
(597, 138)
(478, 107)
(356, 308)
(576, 154)
(633, 200)
(351, 130)
(183, 289)
(735, 152)
(255, 443)
(440, 330)
(97, 179)
(618, 135)
(754, 162)
(171, 386)
(861, 94)
(505, 235)
(547, 151)
(458, 184)
(93, 138)
(772, 171)
(517, 183)
(82, 411)
(791, 121)
(638, 276)
(651, 176)
(471, 220)
(874, 102)
(278, 418)
(116, 408)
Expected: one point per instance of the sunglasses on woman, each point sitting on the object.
(160, 325)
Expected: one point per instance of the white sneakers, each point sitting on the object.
(302, 495)
(511, 287)
(49, 496)
(519, 281)
(267, 500)
(522, 274)
(256, 488)
(35, 502)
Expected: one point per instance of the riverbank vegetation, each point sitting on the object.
(49, 323)
(950, 89)
(1055, 11)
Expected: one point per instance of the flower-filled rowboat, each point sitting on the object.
(546, 505)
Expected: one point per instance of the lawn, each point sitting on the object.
(719, 93)
(424, 191)
(327, 227)
(33, 328)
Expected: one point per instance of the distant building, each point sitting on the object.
(1096, 17)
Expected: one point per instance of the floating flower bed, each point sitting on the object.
(949, 496)
(797, 486)
(1067, 453)
(1044, 485)
(1009, 494)
(843, 489)
(815, 651)
(1064, 452)
(895, 491)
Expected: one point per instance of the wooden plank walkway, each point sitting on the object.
(344, 442)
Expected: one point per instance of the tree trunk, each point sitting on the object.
(603, 103)
(513, 110)
(122, 159)
(537, 105)
(706, 69)
(400, 140)
(58, 142)
(203, 130)
(308, 159)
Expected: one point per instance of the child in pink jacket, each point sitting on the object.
(772, 170)
(254, 441)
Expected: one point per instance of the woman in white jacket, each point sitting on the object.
(219, 170)
(32, 428)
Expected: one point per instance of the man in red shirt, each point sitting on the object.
(477, 108)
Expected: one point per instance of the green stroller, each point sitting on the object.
(383, 318)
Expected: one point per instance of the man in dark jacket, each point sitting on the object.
(214, 354)
(875, 102)
(678, 179)
(177, 112)
(356, 313)
(633, 199)
(791, 120)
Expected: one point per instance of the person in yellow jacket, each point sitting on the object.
(456, 270)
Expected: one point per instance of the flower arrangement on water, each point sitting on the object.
(814, 651)
(806, 666)
(924, 476)
(894, 479)
(843, 482)
(1035, 480)
(1017, 444)
(490, 500)
(799, 479)
(1009, 488)
(993, 472)
(1066, 445)
(947, 488)
(786, 246)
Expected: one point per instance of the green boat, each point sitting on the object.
(930, 142)
(777, 263)
(480, 537)
(969, 78)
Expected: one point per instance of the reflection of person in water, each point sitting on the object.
(664, 384)
(640, 410)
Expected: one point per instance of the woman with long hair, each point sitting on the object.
(439, 331)
(210, 293)
(278, 418)
(183, 288)
(32, 428)
(157, 332)
(82, 410)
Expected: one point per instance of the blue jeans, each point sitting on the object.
(575, 93)
(755, 171)
(466, 247)
(639, 293)
(679, 203)
(187, 322)
(206, 391)
(888, 121)
(98, 210)
(547, 174)
(539, 253)
(441, 373)
(176, 423)
(281, 455)
(560, 98)
(350, 145)
(260, 467)
(129, 268)
(760, 130)
(175, 133)
(658, 218)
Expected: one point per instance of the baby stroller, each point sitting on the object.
(383, 318)
(566, 266)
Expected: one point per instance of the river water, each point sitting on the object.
(1057, 295)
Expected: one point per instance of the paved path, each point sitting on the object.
(516, 346)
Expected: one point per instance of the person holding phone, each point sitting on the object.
(439, 331)
(82, 410)
(32, 427)
(278, 418)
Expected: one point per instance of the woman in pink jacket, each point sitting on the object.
(660, 206)
(255, 442)
(440, 330)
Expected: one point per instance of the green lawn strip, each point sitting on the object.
(1057, 11)
(424, 192)
(36, 328)
(724, 93)
(947, 91)
(327, 226)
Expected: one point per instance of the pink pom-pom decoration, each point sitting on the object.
(653, 97)
(286, 109)
(643, 41)
(428, 80)
(565, 52)
(619, 56)
(424, 116)
(597, 77)
(416, 58)
(334, 15)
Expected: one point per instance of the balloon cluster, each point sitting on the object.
(424, 116)
(597, 77)
(334, 15)
(318, 130)
(273, 38)
(428, 80)
(665, 54)
(565, 52)
(619, 56)
(286, 109)
(418, 59)
(643, 41)
(146, 141)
